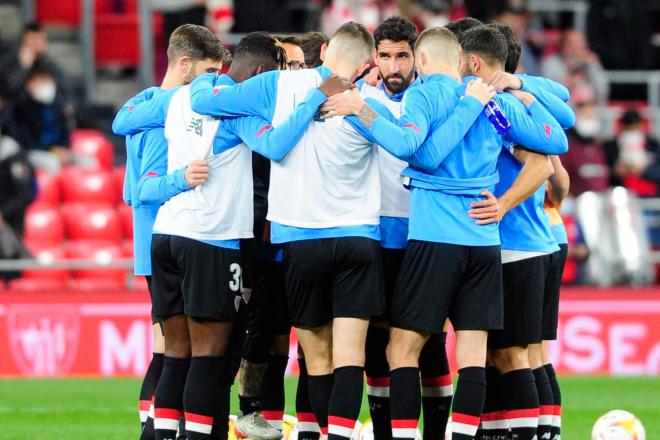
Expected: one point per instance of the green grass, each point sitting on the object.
(101, 409)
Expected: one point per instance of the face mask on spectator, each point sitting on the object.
(44, 92)
(631, 148)
(587, 127)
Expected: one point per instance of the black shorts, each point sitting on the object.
(392, 262)
(551, 294)
(193, 278)
(440, 281)
(524, 284)
(333, 278)
(154, 319)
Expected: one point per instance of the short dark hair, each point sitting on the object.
(513, 46)
(289, 39)
(39, 68)
(396, 29)
(33, 26)
(311, 44)
(457, 27)
(261, 48)
(487, 42)
(630, 117)
(196, 42)
(356, 31)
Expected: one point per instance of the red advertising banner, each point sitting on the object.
(614, 331)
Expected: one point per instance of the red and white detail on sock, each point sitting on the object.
(199, 423)
(167, 419)
(556, 417)
(274, 418)
(340, 426)
(307, 422)
(143, 407)
(378, 386)
(404, 428)
(439, 386)
(464, 424)
(523, 418)
(546, 414)
(495, 420)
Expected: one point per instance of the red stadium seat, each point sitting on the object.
(88, 185)
(48, 188)
(46, 253)
(127, 249)
(138, 284)
(100, 251)
(125, 214)
(89, 221)
(60, 12)
(93, 144)
(38, 285)
(44, 223)
(110, 29)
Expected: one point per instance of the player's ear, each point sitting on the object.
(324, 49)
(374, 54)
(361, 70)
(260, 69)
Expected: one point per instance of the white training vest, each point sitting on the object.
(330, 178)
(394, 198)
(220, 208)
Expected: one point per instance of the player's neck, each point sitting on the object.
(171, 80)
(443, 69)
(341, 68)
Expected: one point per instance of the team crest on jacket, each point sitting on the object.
(43, 339)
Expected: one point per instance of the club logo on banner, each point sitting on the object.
(43, 338)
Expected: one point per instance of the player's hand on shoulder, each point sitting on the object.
(504, 81)
(334, 85)
(348, 103)
(480, 91)
(197, 172)
(524, 97)
(486, 211)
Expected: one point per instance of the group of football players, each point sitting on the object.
(367, 209)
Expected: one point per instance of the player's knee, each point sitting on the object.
(402, 354)
(535, 354)
(512, 358)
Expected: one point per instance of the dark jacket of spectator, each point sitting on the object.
(586, 164)
(17, 184)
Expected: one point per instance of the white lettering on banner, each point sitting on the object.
(123, 355)
(624, 345)
(43, 339)
(583, 350)
(653, 362)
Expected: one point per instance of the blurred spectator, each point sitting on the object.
(585, 160)
(294, 53)
(634, 157)
(485, 10)
(17, 191)
(575, 56)
(221, 14)
(311, 44)
(578, 252)
(370, 13)
(16, 61)
(431, 13)
(518, 17)
(42, 126)
(178, 12)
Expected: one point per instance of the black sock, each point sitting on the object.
(468, 402)
(405, 402)
(345, 402)
(272, 390)
(494, 422)
(378, 382)
(308, 428)
(556, 399)
(546, 405)
(168, 404)
(249, 404)
(203, 397)
(148, 389)
(437, 387)
(320, 388)
(522, 403)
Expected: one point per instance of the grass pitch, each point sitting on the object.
(100, 409)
